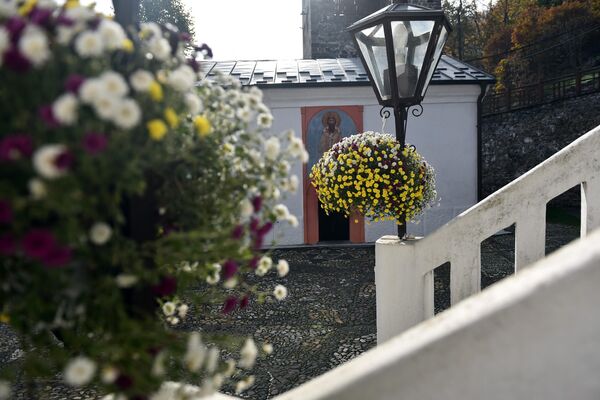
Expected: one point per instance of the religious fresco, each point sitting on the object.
(326, 128)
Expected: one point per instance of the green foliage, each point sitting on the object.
(168, 12)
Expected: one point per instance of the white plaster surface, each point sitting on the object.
(446, 135)
(533, 336)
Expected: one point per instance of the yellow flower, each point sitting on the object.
(4, 318)
(127, 46)
(27, 7)
(156, 92)
(157, 129)
(171, 117)
(72, 4)
(202, 125)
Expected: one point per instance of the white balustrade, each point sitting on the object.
(404, 269)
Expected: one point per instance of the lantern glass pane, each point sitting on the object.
(371, 42)
(411, 39)
(437, 53)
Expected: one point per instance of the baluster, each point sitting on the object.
(465, 272)
(590, 206)
(530, 236)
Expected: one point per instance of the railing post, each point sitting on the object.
(530, 236)
(590, 206)
(400, 289)
(578, 83)
(465, 272)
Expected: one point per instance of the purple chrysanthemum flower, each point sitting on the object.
(46, 114)
(57, 257)
(14, 147)
(74, 82)
(165, 287)
(64, 160)
(37, 243)
(229, 305)
(94, 143)
(14, 60)
(40, 16)
(257, 203)
(237, 232)
(230, 268)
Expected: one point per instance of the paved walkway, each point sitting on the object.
(329, 315)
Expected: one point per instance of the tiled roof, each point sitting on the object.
(329, 72)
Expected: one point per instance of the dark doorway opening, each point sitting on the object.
(333, 227)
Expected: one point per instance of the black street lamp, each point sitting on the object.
(400, 46)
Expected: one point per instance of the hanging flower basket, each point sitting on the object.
(371, 173)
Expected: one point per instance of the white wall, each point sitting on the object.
(446, 135)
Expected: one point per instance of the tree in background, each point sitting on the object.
(167, 11)
(467, 39)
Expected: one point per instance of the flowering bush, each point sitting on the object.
(371, 174)
(123, 185)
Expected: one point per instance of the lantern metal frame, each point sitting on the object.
(401, 11)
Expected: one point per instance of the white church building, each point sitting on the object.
(301, 92)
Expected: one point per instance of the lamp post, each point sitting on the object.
(127, 11)
(400, 46)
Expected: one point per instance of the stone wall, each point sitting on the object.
(330, 18)
(515, 142)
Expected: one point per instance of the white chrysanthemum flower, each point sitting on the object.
(265, 120)
(114, 84)
(126, 280)
(64, 34)
(150, 30)
(90, 91)
(267, 348)
(281, 212)
(109, 374)
(44, 160)
(293, 220)
(80, 13)
(8, 8)
(244, 114)
(230, 370)
(141, 80)
(4, 41)
(193, 103)
(158, 366)
(64, 109)
(173, 320)
(105, 105)
(272, 147)
(212, 360)
(182, 310)
(37, 188)
(169, 308)
(79, 371)
(283, 267)
(34, 46)
(5, 391)
(280, 292)
(296, 149)
(112, 34)
(89, 44)
(160, 48)
(230, 283)
(195, 353)
(265, 262)
(246, 209)
(213, 278)
(128, 114)
(248, 354)
(182, 79)
(100, 233)
(244, 384)
(293, 183)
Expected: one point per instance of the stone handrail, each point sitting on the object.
(404, 269)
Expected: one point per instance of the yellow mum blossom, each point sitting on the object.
(4, 318)
(127, 46)
(157, 129)
(202, 125)
(171, 117)
(27, 7)
(156, 91)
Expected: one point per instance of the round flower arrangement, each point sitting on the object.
(131, 197)
(371, 173)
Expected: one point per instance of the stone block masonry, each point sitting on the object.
(513, 143)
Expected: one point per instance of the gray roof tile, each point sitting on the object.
(329, 72)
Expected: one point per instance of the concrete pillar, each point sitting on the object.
(400, 289)
(465, 272)
(590, 206)
(530, 236)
